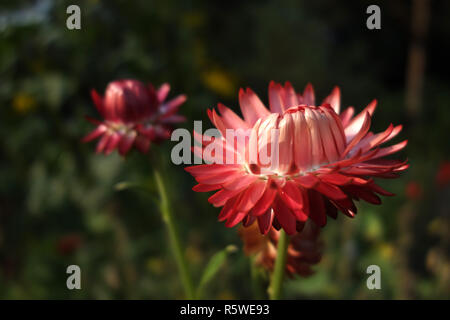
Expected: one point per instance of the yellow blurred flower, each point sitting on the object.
(373, 228)
(194, 255)
(220, 82)
(386, 250)
(226, 295)
(194, 19)
(156, 265)
(23, 102)
(438, 226)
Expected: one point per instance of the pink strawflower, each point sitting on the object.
(134, 115)
(327, 159)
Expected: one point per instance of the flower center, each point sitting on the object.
(301, 140)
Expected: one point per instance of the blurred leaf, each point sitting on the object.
(124, 185)
(213, 267)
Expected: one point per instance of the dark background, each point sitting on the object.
(60, 203)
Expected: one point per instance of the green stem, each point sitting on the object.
(174, 238)
(280, 266)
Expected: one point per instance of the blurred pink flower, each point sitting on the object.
(69, 243)
(327, 159)
(134, 114)
(414, 190)
(443, 174)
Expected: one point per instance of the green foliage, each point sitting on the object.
(213, 267)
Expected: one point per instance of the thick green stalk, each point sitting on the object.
(276, 282)
(174, 238)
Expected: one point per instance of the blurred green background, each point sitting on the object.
(59, 201)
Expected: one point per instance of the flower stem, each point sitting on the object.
(174, 238)
(280, 266)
